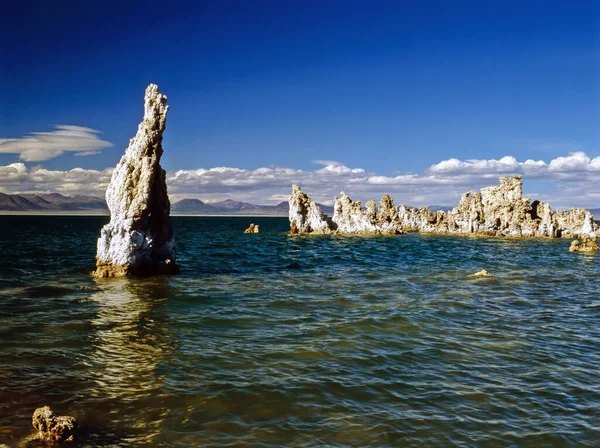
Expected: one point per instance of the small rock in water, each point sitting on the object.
(588, 244)
(53, 428)
(293, 227)
(253, 228)
(482, 273)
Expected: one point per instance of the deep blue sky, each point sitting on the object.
(385, 86)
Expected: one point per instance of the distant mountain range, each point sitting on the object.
(228, 207)
(55, 202)
(50, 202)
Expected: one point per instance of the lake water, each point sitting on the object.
(277, 340)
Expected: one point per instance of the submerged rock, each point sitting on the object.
(53, 428)
(306, 216)
(252, 228)
(139, 239)
(588, 244)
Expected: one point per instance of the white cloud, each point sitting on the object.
(40, 146)
(574, 165)
(17, 178)
(567, 181)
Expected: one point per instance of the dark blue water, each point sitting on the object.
(278, 340)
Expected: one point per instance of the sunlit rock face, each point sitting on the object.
(424, 220)
(499, 210)
(139, 239)
(588, 244)
(576, 222)
(388, 217)
(306, 216)
(350, 217)
(52, 428)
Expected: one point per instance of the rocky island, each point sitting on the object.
(348, 216)
(499, 210)
(139, 239)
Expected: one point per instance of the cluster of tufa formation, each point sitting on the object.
(494, 211)
(501, 211)
(52, 428)
(139, 239)
(348, 217)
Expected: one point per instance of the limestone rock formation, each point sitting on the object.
(252, 228)
(424, 220)
(306, 216)
(350, 217)
(53, 428)
(499, 210)
(388, 217)
(139, 239)
(588, 244)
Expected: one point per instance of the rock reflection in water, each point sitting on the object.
(132, 338)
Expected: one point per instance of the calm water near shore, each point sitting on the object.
(278, 340)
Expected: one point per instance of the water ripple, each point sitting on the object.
(272, 340)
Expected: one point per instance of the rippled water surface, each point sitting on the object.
(278, 340)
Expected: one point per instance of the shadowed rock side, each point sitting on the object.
(139, 239)
(493, 211)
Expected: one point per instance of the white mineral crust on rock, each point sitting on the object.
(139, 239)
(588, 226)
(349, 216)
(388, 217)
(306, 216)
(499, 210)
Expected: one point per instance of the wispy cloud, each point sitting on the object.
(570, 180)
(40, 146)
